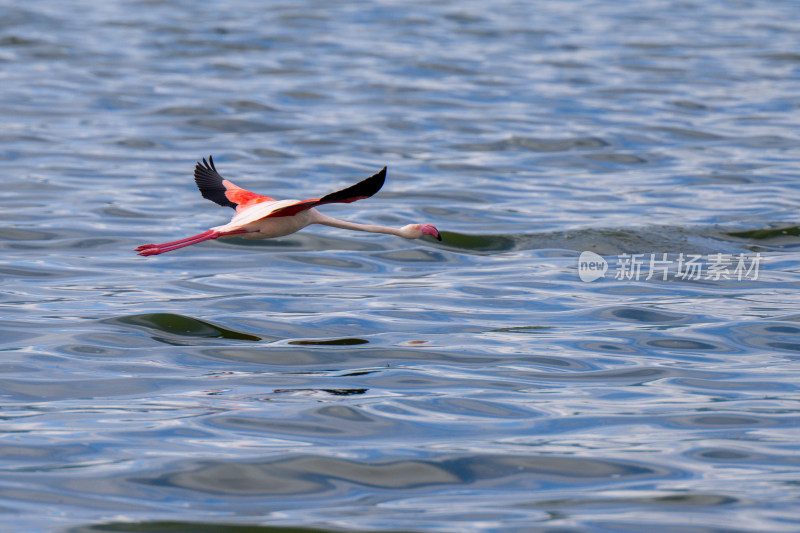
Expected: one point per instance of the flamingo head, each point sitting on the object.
(415, 231)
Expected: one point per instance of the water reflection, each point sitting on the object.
(364, 381)
(180, 326)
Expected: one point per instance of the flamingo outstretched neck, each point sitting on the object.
(261, 217)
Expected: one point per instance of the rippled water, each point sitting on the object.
(334, 380)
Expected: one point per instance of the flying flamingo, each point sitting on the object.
(262, 217)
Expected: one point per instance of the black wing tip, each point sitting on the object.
(206, 175)
(375, 181)
(363, 189)
(209, 182)
(205, 165)
(372, 184)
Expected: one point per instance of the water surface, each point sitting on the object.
(331, 380)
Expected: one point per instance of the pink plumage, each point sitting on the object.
(262, 217)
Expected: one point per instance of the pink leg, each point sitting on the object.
(155, 249)
(179, 241)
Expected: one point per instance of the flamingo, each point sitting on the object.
(261, 217)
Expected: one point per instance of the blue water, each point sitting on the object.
(335, 380)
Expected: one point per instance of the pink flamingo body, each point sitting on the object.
(261, 217)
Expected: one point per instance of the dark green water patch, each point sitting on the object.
(329, 342)
(478, 243)
(180, 325)
(644, 239)
(767, 234)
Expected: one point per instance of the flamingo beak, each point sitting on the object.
(428, 229)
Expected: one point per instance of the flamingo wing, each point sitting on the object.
(225, 193)
(359, 191)
(221, 191)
